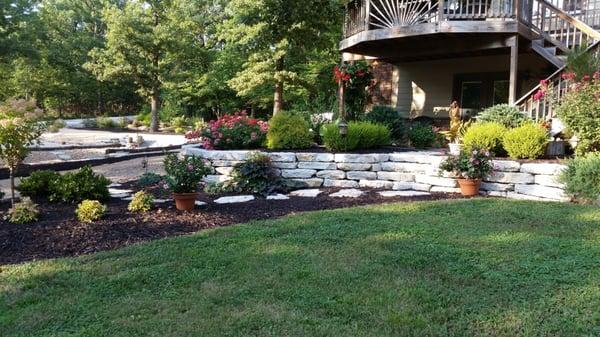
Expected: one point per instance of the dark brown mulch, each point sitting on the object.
(59, 234)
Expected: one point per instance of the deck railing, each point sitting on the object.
(362, 15)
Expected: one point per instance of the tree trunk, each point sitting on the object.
(12, 185)
(278, 98)
(155, 108)
(101, 105)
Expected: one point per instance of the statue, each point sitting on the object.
(455, 118)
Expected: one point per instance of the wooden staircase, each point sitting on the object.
(559, 32)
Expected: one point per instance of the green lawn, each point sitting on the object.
(455, 268)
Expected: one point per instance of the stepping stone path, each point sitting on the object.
(391, 194)
(348, 193)
(313, 193)
(278, 197)
(200, 203)
(234, 199)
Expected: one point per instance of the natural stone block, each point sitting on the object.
(506, 165)
(348, 193)
(441, 189)
(416, 157)
(235, 199)
(395, 176)
(360, 158)
(361, 175)
(354, 167)
(340, 183)
(278, 197)
(548, 180)
(497, 194)
(317, 165)
(376, 184)
(225, 163)
(213, 179)
(391, 194)
(312, 193)
(282, 156)
(226, 171)
(436, 181)
(285, 165)
(405, 167)
(376, 168)
(325, 157)
(510, 178)
(222, 155)
(298, 173)
(305, 183)
(542, 192)
(331, 174)
(497, 187)
(517, 196)
(542, 168)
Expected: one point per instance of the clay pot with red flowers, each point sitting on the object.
(471, 167)
(184, 175)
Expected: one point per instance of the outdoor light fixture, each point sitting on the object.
(343, 126)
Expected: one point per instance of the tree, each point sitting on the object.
(278, 37)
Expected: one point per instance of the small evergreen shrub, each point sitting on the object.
(361, 135)
(106, 123)
(180, 122)
(505, 114)
(90, 211)
(56, 125)
(527, 141)
(389, 117)
(78, 186)
(38, 183)
(421, 135)
(256, 175)
(23, 212)
(582, 178)
(142, 202)
(149, 179)
(487, 135)
(288, 132)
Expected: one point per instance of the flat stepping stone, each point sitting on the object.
(312, 193)
(120, 195)
(119, 191)
(235, 199)
(161, 201)
(200, 203)
(348, 193)
(278, 197)
(114, 185)
(391, 194)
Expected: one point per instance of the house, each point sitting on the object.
(428, 53)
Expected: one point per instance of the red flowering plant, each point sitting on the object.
(356, 78)
(237, 131)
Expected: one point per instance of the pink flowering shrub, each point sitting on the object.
(184, 175)
(237, 131)
(471, 164)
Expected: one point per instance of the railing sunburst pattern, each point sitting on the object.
(401, 13)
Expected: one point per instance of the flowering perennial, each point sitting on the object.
(474, 164)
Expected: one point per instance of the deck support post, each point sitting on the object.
(514, 65)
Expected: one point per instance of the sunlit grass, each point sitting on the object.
(453, 268)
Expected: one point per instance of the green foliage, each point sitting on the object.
(38, 183)
(78, 186)
(149, 179)
(105, 123)
(90, 211)
(473, 164)
(255, 175)
(361, 135)
(235, 131)
(90, 123)
(23, 212)
(505, 114)
(485, 135)
(142, 202)
(55, 126)
(528, 141)
(421, 135)
(582, 178)
(356, 77)
(389, 117)
(579, 110)
(184, 174)
(288, 131)
(581, 62)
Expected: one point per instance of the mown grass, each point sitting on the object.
(453, 268)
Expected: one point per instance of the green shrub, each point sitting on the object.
(149, 179)
(288, 132)
(579, 110)
(90, 211)
(38, 183)
(487, 135)
(56, 125)
(23, 212)
(106, 123)
(361, 135)
(505, 114)
(179, 122)
(78, 186)
(527, 141)
(142, 202)
(421, 135)
(255, 175)
(582, 178)
(123, 123)
(389, 117)
(90, 123)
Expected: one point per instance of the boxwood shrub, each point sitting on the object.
(361, 135)
(527, 141)
(288, 131)
(486, 135)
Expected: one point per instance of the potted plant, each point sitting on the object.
(470, 167)
(454, 137)
(184, 176)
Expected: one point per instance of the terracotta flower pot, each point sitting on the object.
(185, 201)
(469, 187)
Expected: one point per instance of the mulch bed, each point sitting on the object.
(59, 234)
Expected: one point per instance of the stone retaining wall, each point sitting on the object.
(395, 171)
